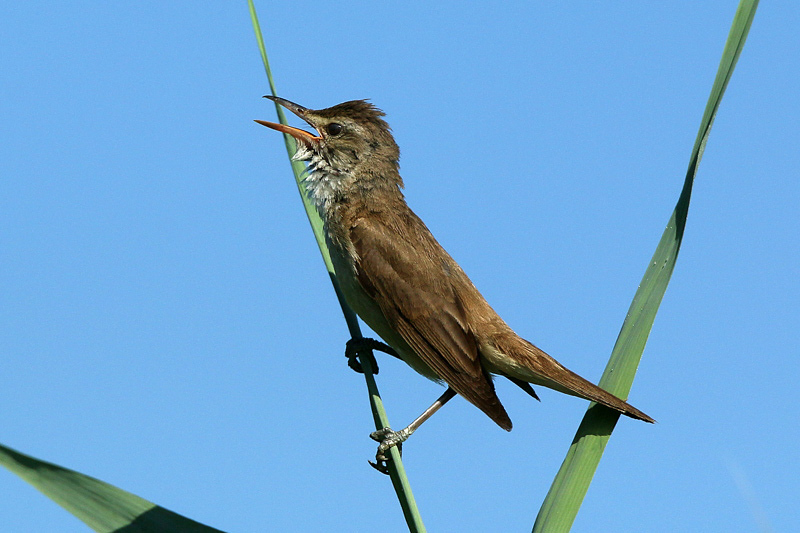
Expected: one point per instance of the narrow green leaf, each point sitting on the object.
(566, 494)
(397, 472)
(100, 506)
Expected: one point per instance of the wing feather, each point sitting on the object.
(411, 279)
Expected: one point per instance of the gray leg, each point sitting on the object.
(389, 438)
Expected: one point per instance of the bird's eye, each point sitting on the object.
(334, 128)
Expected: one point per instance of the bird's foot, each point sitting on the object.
(364, 346)
(387, 439)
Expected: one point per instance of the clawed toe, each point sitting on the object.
(364, 346)
(387, 439)
(361, 347)
(380, 466)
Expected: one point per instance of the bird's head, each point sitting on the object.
(350, 137)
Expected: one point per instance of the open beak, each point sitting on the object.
(300, 111)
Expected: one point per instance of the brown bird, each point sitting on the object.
(399, 279)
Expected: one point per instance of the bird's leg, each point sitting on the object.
(364, 346)
(389, 438)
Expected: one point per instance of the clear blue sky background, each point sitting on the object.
(168, 326)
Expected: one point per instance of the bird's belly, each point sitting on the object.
(369, 311)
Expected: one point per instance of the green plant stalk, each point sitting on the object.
(397, 473)
(566, 494)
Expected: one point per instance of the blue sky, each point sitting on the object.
(168, 325)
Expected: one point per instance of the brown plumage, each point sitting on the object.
(401, 281)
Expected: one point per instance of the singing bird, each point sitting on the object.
(399, 279)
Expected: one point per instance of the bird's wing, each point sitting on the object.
(410, 277)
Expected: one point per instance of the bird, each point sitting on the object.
(402, 283)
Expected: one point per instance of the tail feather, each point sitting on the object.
(564, 380)
(524, 385)
(519, 360)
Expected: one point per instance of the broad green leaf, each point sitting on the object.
(100, 506)
(566, 494)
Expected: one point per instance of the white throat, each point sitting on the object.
(322, 181)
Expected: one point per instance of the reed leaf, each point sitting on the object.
(100, 506)
(397, 472)
(566, 494)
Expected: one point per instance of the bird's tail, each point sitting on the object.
(519, 359)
